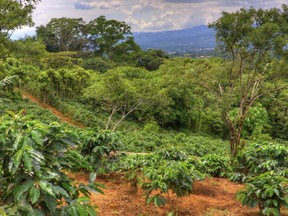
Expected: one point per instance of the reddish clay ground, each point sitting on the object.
(63, 118)
(211, 197)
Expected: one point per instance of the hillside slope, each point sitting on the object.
(199, 37)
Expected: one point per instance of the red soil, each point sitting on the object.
(211, 197)
(63, 118)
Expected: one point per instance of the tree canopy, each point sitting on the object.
(14, 14)
(63, 34)
(250, 39)
(106, 34)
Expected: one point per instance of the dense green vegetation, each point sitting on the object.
(163, 122)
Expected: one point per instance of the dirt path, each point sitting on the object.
(52, 109)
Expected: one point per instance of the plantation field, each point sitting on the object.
(210, 197)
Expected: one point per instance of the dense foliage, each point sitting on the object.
(268, 191)
(163, 122)
(32, 173)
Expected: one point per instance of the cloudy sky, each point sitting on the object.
(144, 15)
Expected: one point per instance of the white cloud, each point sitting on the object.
(23, 32)
(90, 4)
(146, 15)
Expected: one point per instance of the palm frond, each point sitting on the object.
(7, 80)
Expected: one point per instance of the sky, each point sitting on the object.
(143, 15)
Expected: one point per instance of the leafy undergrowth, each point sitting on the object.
(211, 197)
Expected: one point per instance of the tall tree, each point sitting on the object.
(122, 91)
(249, 39)
(14, 14)
(106, 34)
(63, 34)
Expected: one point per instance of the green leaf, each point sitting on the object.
(20, 189)
(17, 159)
(95, 188)
(73, 211)
(34, 195)
(253, 203)
(60, 191)
(27, 161)
(24, 206)
(68, 142)
(276, 191)
(82, 210)
(83, 199)
(270, 191)
(2, 212)
(68, 187)
(92, 177)
(36, 212)
(46, 186)
(275, 202)
(91, 211)
(36, 137)
(50, 202)
(16, 142)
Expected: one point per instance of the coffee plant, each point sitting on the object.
(258, 158)
(33, 181)
(172, 153)
(269, 191)
(98, 145)
(175, 176)
(215, 165)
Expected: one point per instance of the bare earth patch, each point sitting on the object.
(63, 118)
(211, 197)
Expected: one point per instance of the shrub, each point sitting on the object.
(98, 144)
(257, 158)
(151, 127)
(172, 153)
(215, 165)
(32, 178)
(269, 191)
(176, 176)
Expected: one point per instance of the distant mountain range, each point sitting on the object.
(196, 39)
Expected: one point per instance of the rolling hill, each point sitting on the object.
(185, 40)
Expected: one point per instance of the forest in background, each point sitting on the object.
(220, 116)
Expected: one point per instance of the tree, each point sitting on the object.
(174, 78)
(250, 39)
(106, 34)
(63, 34)
(127, 51)
(151, 59)
(63, 83)
(28, 50)
(14, 14)
(122, 91)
